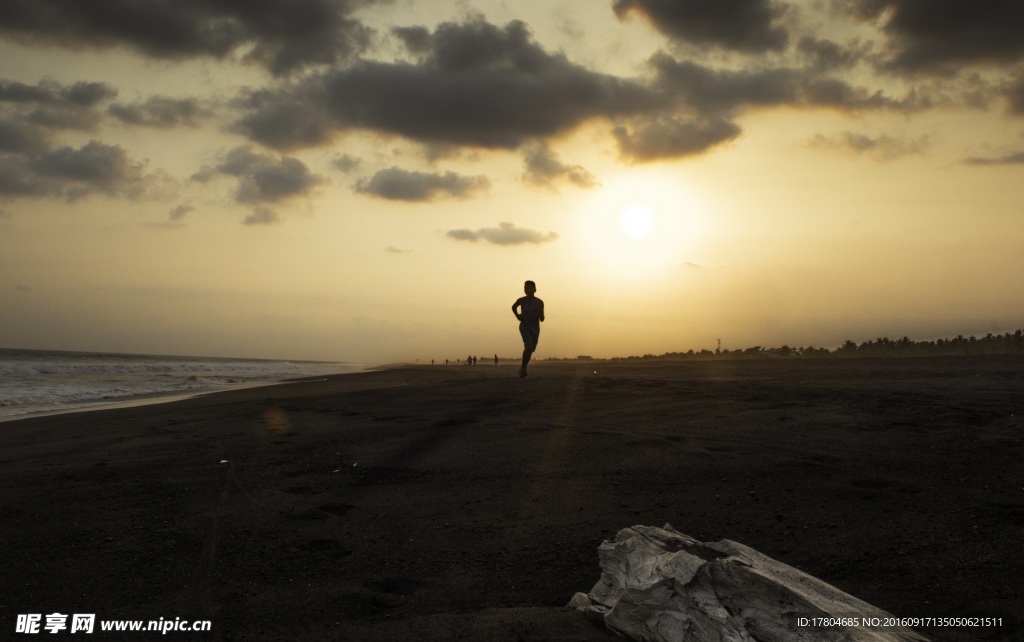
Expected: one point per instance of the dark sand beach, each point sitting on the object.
(464, 503)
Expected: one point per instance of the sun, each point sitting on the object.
(638, 227)
(637, 220)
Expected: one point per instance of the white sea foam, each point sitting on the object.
(34, 381)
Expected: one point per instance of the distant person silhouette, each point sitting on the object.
(530, 312)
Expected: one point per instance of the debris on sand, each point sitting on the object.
(659, 585)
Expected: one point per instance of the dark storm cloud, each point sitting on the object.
(544, 168)
(475, 84)
(283, 35)
(263, 178)
(504, 234)
(160, 111)
(740, 25)
(1016, 158)
(939, 34)
(71, 173)
(397, 184)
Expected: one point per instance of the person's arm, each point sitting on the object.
(541, 310)
(516, 312)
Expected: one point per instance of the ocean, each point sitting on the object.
(42, 381)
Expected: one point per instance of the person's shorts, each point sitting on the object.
(530, 337)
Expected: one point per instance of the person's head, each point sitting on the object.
(529, 287)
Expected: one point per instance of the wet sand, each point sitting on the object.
(447, 503)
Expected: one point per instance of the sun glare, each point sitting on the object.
(640, 226)
(637, 220)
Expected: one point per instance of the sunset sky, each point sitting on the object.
(373, 181)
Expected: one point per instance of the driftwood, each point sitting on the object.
(659, 585)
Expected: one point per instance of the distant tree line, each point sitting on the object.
(990, 344)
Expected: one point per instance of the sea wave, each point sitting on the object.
(35, 382)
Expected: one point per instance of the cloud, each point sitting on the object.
(504, 234)
(291, 117)
(53, 106)
(480, 85)
(739, 25)
(391, 249)
(1016, 158)
(474, 84)
(1014, 93)
(31, 166)
(175, 217)
(544, 168)
(882, 147)
(936, 35)
(346, 163)
(71, 173)
(281, 35)
(714, 91)
(48, 92)
(161, 112)
(828, 55)
(263, 178)
(656, 138)
(180, 211)
(402, 185)
(19, 137)
(262, 215)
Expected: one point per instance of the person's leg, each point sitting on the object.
(529, 346)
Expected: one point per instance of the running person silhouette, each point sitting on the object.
(530, 312)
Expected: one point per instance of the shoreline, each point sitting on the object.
(427, 503)
(151, 399)
(158, 398)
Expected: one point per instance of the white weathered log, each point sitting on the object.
(659, 585)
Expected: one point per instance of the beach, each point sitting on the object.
(459, 502)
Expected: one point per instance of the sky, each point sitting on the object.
(373, 181)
